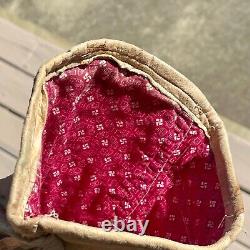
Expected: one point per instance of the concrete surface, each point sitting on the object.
(208, 41)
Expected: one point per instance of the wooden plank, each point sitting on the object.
(7, 164)
(10, 131)
(241, 157)
(15, 88)
(245, 233)
(237, 246)
(24, 49)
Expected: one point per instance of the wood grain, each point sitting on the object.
(24, 49)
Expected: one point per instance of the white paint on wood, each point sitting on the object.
(23, 48)
(7, 164)
(15, 88)
(10, 131)
(244, 235)
(241, 158)
(237, 246)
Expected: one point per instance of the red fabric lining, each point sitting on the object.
(114, 145)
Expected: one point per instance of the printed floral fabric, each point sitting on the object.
(113, 145)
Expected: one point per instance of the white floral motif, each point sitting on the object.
(139, 122)
(135, 105)
(119, 124)
(93, 177)
(208, 166)
(107, 159)
(114, 107)
(168, 235)
(143, 186)
(143, 201)
(171, 217)
(35, 188)
(161, 140)
(186, 220)
(98, 208)
(67, 151)
(142, 139)
(97, 190)
(145, 157)
(72, 164)
(90, 98)
(56, 111)
(56, 173)
(87, 77)
(203, 185)
(85, 146)
(193, 132)
(77, 178)
(212, 203)
(159, 198)
(112, 191)
(76, 119)
(161, 155)
(64, 193)
(84, 207)
(149, 87)
(111, 173)
(61, 129)
(28, 208)
(198, 203)
(192, 150)
(80, 132)
(127, 205)
(53, 214)
(160, 184)
(128, 174)
(176, 137)
(102, 63)
(127, 157)
(159, 122)
(123, 141)
(95, 112)
(210, 224)
(176, 152)
(217, 186)
(77, 99)
(59, 183)
(183, 238)
(90, 160)
(99, 127)
(105, 142)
